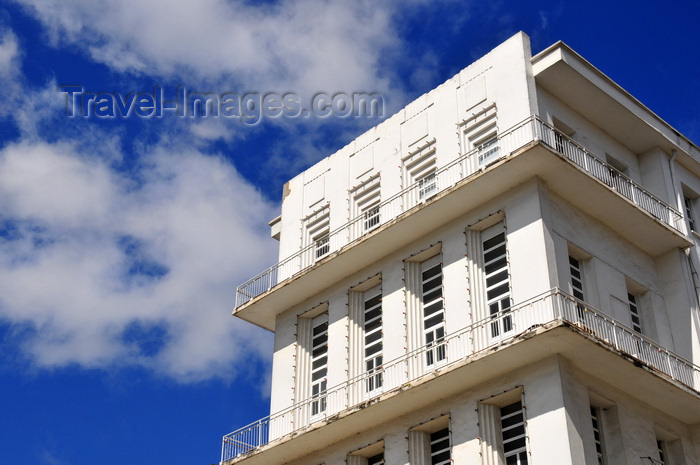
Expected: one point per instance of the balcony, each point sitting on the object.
(529, 149)
(551, 323)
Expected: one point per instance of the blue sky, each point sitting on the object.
(122, 239)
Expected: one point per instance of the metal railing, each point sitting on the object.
(551, 307)
(530, 130)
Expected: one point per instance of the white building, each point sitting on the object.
(503, 272)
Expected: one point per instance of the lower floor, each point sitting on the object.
(549, 412)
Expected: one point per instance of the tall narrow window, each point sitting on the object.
(373, 338)
(440, 447)
(322, 244)
(634, 312)
(688, 206)
(433, 311)
(577, 284)
(561, 135)
(365, 206)
(576, 278)
(597, 435)
(489, 151)
(497, 280)
(480, 135)
(371, 217)
(513, 431)
(430, 443)
(661, 446)
(376, 459)
(319, 363)
(420, 168)
(559, 140)
(427, 186)
(317, 230)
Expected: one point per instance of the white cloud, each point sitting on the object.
(299, 45)
(9, 72)
(86, 254)
(99, 267)
(9, 54)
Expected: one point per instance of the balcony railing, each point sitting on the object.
(553, 306)
(507, 143)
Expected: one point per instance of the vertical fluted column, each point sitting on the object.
(302, 386)
(490, 430)
(477, 286)
(419, 447)
(355, 345)
(414, 322)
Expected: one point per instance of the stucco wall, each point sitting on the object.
(502, 77)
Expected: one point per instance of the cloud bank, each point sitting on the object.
(107, 270)
(102, 266)
(301, 45)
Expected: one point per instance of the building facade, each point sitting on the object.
(503, 272)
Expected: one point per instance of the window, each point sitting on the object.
(497, 279)
(322, 246)
(597, 435)
(559, 140)
(562, 134)
(365, 206)
(311, 366)
(576, 278)
(618, 172)
(427, 186)
(502, 428)
(430, 443)
(365, 340)
(433, 311)
(317, 231)
(440, 447)
(661, 446)
(479, 136)
(371, 217)
(488, 151)
(319, 363)
(617, 164)
(373, 338)
(370, 455)
(688, 209)
(669, 448)
(634, 313)
(488, 267)
(513, 433)
(420, 168)
(577, 285)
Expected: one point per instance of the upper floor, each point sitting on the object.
(623, 165)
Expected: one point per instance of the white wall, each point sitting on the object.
(503, 77)
(529, 271)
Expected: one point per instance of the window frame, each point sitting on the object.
(498, 304)
(598, 434)
(423, 439)
(518, 452)
(433, 335)
(374, 382)
(319, 373)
